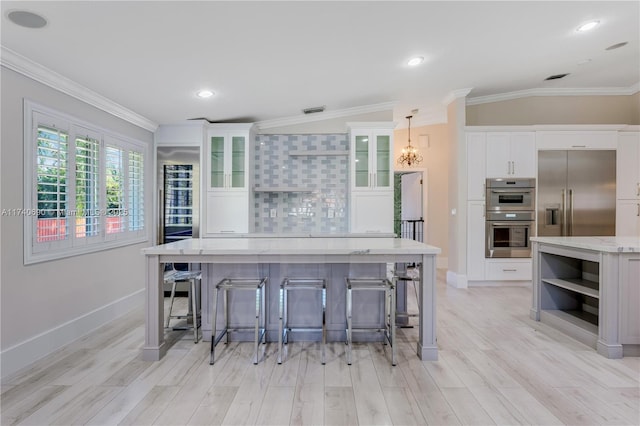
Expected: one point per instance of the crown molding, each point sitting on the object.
(326, 115)
(33, 70)
(456, 94)
(585, 91)
(424, 118)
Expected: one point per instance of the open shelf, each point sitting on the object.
(589, 288)
(282, 189)
(318, 153)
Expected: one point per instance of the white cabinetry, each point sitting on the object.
(371, 188)
(628, 184)
(475, 240)
(227, 178)
(510, 154)
(476, 165)
(578, 139)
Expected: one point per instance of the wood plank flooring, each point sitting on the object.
(496, 366)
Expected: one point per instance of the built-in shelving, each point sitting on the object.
(586, 287)
(282, 189)
(316, 153)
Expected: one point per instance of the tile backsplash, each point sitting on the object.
(301, 193)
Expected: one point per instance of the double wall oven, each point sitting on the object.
(510, 217)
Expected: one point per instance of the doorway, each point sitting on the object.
(408, 205)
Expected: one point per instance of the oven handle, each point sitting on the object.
(514, 223)
(512, 190)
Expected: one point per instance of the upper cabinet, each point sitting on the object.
(628, 165)
(371, 160)
(227, 152)
(227, 178)
(510, 154)
(371, 156)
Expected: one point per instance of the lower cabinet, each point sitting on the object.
(371, 212)
(630, 299)
(628, 218)
(508, 269)
(227, 212)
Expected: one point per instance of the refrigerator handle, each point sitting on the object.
(160, 216)
(570, 212)
(563, 228)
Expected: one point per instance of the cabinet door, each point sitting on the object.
(372, 212)
(628, 166)
(628, 218)
(383, 171)
(361, 166)
(217, 173)
(476, 166)
(475, 241)
(227, 212)
(629, 299)
(498, 155)
(237, 162)
(523, 155)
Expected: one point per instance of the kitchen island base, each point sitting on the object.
(331, 258)
(587, 288)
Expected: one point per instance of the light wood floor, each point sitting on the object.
(496, 367)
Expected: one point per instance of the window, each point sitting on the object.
(84, 187)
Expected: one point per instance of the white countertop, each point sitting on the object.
(303, 235)
(292, 246)
(603, 244)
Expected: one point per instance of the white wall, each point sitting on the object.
(49, 304)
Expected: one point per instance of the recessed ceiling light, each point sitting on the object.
(26, 19)
(616, 46)
(588, 26)
(415, 61)
(584, 61)
(204, 94)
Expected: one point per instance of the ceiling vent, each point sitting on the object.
(556, 77)
(313, 110)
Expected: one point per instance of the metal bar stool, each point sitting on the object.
(389, 329)
(291, 284)
(401, 273)
(258, 285)
(173, 277)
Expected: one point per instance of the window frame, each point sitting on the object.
(35, 116)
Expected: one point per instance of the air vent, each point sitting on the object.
(313, 110)
(556, 77)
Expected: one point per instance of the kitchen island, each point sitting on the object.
(588, 288)
(332, 258)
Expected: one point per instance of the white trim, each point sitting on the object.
(433, 116)
(44, 75)
(558, 91)
(456, 94)
(326, 115)
(457, 280)
(21, 355)
(552, 128)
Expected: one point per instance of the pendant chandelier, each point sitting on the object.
(409, 154)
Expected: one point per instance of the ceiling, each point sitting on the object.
(269, 60)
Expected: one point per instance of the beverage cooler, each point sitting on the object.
(178, 183)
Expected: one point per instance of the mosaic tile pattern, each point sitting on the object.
(321, 204)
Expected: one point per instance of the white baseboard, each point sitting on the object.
(456, 280)
(23, 354)
(499, 284)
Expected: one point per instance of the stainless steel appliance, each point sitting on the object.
(511, 194)
(510, 217)
(576, 193)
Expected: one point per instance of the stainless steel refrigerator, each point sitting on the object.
(576, 193)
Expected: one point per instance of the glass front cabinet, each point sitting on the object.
(227, 177)
(371, 162)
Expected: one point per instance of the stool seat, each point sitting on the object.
(290, 284)
(237, 284)
(173, 277)
(389, 327)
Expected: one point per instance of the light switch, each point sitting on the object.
(273, 213)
